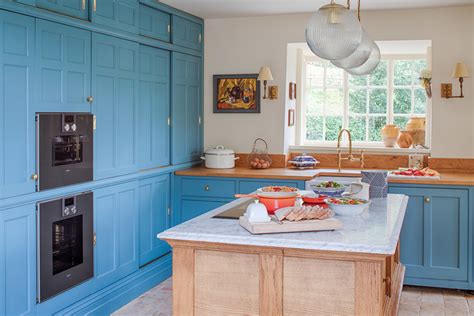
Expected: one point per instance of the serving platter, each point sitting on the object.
(290, 227)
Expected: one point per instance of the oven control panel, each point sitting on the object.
(69, 206)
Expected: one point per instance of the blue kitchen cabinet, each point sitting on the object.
(186, 108)
(154, 23)
(74, 8)
(434, 237)
(116, 231)
(249, 186)
(153, 108)
(18, 260)
(118, 14)
(192, 208)
(154, 217)
(115, 92)
(17, 123)
(186, 33)
(63, 68)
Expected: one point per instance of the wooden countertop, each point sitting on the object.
(447, 178)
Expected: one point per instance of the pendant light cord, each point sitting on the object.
(358, 8)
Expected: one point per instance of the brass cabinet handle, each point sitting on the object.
(83, 5)
(94, 239)
(94, 6)
(427, 200)
(207, 188)
(34, 176)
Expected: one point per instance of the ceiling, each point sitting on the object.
(209, 9)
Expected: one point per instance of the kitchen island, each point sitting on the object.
(219, 268)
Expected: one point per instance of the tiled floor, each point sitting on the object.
(415, 301)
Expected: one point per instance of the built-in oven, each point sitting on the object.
(64, 149)
(65, 243)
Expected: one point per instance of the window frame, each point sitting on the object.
(390, 58)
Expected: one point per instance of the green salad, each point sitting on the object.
(330, 184)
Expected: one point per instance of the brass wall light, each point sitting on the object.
(265, 75)
(460, 72)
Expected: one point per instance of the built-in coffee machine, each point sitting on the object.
(65, 243)
(64, 149)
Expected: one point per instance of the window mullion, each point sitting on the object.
(345, 122)
(390, 92)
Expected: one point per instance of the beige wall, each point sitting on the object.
(242, 45)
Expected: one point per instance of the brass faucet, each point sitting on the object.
(350, 156)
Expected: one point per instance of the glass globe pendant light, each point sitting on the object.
(333, 32)
(370, 64)
(359, 57)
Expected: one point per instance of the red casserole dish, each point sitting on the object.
(273, 200)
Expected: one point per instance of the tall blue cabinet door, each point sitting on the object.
(434, 238)
(17, 120)
(153, 108)
(18, 260)
(186, 33)
(118, 14)
(114, 88)
(154, 23)
(116, 229)
(154, 202)
(75, 8)
(63, 68)
(186, 108)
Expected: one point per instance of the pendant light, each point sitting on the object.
(370, 65)
(333, 32)
(359, 57)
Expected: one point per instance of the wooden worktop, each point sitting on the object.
(447, 178)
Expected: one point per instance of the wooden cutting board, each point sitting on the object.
(290, 227)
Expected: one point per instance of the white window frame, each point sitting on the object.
(301, 119)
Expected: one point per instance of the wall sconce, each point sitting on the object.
(461, 72)
(265, 75)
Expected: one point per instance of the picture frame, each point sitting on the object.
(239, 93)
(291, 117)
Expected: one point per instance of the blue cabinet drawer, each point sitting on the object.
(249, 186)
(208, 187)
(186, 33)
(154, 23)
(75, 8)
(118, 14)
(194, 208)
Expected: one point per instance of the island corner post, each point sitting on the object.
(219, 279)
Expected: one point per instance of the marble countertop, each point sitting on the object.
(376, 231)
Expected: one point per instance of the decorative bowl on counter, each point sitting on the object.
(304, 162)
(329, 188)
(347, 206)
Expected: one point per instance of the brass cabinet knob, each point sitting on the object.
(427, 200)
(90, 99)
(34, 177)
(207, 188)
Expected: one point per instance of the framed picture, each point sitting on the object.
(236, 93)
(291, 117)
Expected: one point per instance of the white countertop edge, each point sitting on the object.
(285, 243)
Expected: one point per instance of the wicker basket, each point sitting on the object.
(259, 158)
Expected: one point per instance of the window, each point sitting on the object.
(333, 99)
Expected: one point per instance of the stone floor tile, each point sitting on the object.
(431, 309)
(432, 297)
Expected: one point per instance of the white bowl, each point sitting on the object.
(348, 209)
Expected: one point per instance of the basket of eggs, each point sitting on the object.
(259, 158)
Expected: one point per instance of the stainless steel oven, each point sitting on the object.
(65, 243)
(64, 149)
